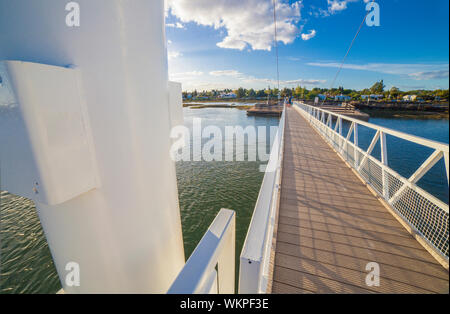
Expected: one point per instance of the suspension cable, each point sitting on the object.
(276, 45)
(346, 55)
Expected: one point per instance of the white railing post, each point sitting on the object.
(328, 125)
(369, 150)
(446, 164)
(336, 126)
(216, 248)
(384, 161)
(345, 145)
(356, 143)
(226, 265)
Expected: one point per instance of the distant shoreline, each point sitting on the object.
(373, 111)
(420, 107)
(203, 106)
(406, 114)
(231, 100)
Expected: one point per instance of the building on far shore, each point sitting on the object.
(228, 96)
(187, 97)
(410, 97)
(373, 96)
(342, 98)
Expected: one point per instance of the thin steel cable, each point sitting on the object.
(276, 44)
(348, 51)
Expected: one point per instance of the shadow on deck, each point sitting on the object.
(330, 226)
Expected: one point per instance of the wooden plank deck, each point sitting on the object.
(330, 226)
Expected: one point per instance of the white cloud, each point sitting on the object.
(225, 73)
(417, 71)
(309, 35)
(316, 12)
(284, 83)
(185, 76)
(247, 23)
(333, 7)
(175, 25)
(264, 81)
(192, 73)
(251, 79)
(430, 75)
(337, 5)
(220, 79)
(173, 54)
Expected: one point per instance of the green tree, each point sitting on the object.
(286, 92)
(251, 93)
(365, 91)
(240, 92)
(275, 92)
(442, 93)
(355, 95)
(378, 87)
(298, 92)
(394, 92)
(261, 93)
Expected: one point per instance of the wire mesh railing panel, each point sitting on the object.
(373, 174)
(350, 154)
(427, 217)
(421, 210)
(395, 184)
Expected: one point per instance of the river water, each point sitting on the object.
(204, 188)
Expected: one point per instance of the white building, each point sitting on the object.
(409, 97)
(375, 97)
(228, 96)
(342, 98)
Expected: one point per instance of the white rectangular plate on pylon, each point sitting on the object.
(54, 116)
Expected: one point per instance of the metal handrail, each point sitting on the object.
(409, 137)
(211, 267)
(255, 255)
(423, 212)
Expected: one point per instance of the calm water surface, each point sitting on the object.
(204, 188)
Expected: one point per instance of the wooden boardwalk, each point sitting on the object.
(330, 226)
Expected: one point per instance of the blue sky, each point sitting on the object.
(229, 43)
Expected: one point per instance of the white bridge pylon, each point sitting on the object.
(94, 112)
